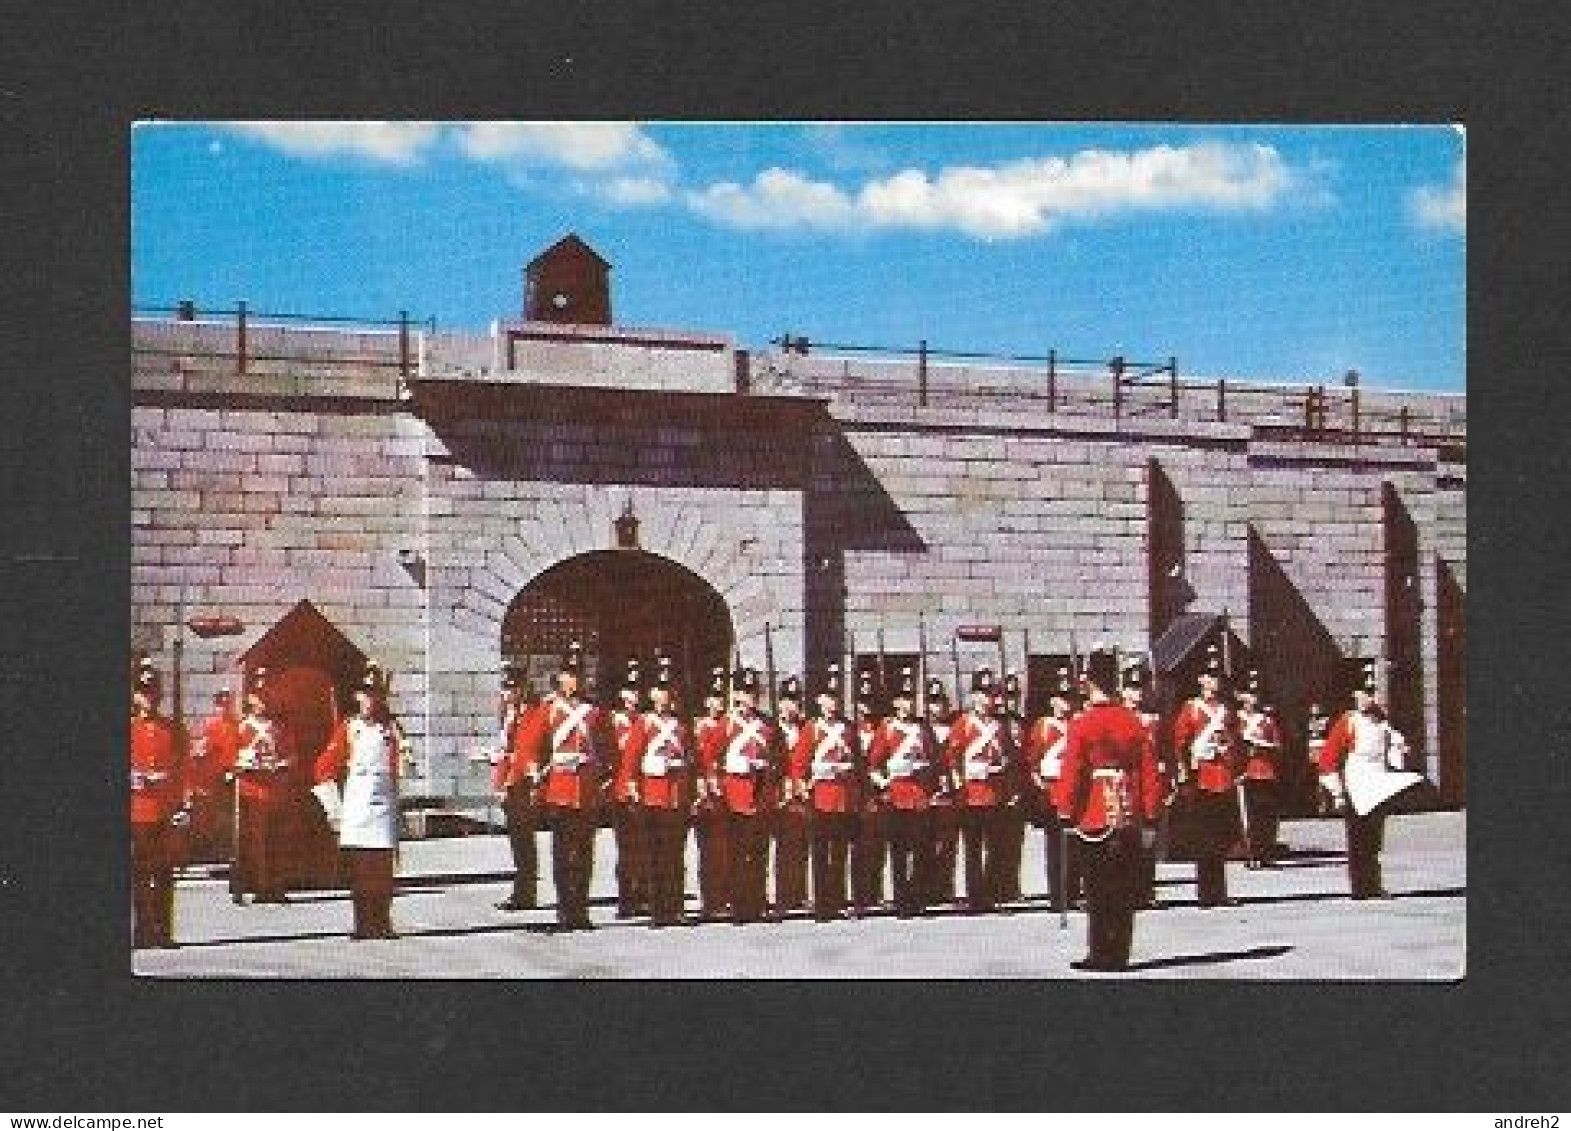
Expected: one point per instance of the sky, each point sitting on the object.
(1283, 253)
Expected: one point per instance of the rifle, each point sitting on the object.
(769, 669)
(921, 666)
(954, 656)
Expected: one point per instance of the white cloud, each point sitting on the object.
(615, 161)
(388, 143)
(1442, 207)
(1020, 198)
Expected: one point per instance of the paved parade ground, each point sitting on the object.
(1293, 921)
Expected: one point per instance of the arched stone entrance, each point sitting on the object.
(619, 604)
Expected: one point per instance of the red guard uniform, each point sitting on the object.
(1109, 791)
(208, 778)
(514, 776)
(1206, 748)
(790, 817)
(627, 817)
(661, 759)
(158, 748)
(570, 757)
(265, 768)
(904, 760)
(1261, 741)
(981, 755)
(1046, 740)
(743, 754)
(826, 766)
(946, 816)
(709, 823)
(362, 757)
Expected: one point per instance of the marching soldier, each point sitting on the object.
(743, 752)
(869, 849)
(626, 814)
(514, 778)
(661, 763)
(571, 755)
(263, 777)
(1109, 792)
(709, 814)
(980, 753)
(208, 773)
(1361, 767)
(903, 762)
(1133, 689)
(1262, 752)
(158, 748)
(946, 812)
(791, 818)
(1316, 727)
(356, 778)
(1205, 741)
(1044, 754)
(1012, 817)
(826, 769)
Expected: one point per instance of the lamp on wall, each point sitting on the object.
(627, 527)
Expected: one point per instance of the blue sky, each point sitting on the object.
(1282, 253)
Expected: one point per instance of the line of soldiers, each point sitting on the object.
(839, 806)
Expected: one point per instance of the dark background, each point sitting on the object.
(78, 1032)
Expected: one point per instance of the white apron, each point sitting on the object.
(370, 802)
(1369, 778)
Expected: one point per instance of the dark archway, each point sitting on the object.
(620, 604)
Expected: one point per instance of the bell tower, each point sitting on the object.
(568, 282)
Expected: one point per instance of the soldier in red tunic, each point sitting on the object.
(870, 848)
(946, 814)
(514, 778)
(1206, 747)
(627, 816)
(744, 754)
(709, 812)
(904, 765)
(1261, 740)
(981, 754)
(1012, 817)
(1044, 746)
(790, 834)
(1135, 681)
(660, 761)
(1109, 792)
(265, 776)
(158, 749)
(208, 773)
(827, 770)
(571, 756)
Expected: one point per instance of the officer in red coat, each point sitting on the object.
(870, 849)
(790, 834)
(982, 755)
(709, 812)
(1109, 792)
(828, 770)
(1044, 747)
(744, 754)
(157, 755)
(515, 779)
(208, 772)
(265, 775)
(946, 813)
(627, 815)
(1261, 741)
(661, 762)
(571, 757)
(904, 766)
(1207, 750)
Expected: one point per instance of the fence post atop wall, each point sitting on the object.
(1117, 366)
(1221, 400)
(240, 337)
(1052, 380)
(1172, 369)
(403, 351)
(921, 373)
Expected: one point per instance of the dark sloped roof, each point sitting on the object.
(1182, 637)
(569, 245)
(303, 628)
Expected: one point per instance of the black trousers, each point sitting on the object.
(946, 850)
(666, 841)
(709, 828)
(1263, 817)
(1365, 836)
(572, 862)
(1113, 885)
(152, 885)
(523, 822)
(868, 852)
(790, 837)
(1011, 848)
(982, 833)
(910, 857)
(1061, 857)
(832, 836)
(261, 867)
(1217, 814)
(371, 888)
(747, 850)
(632, 868)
